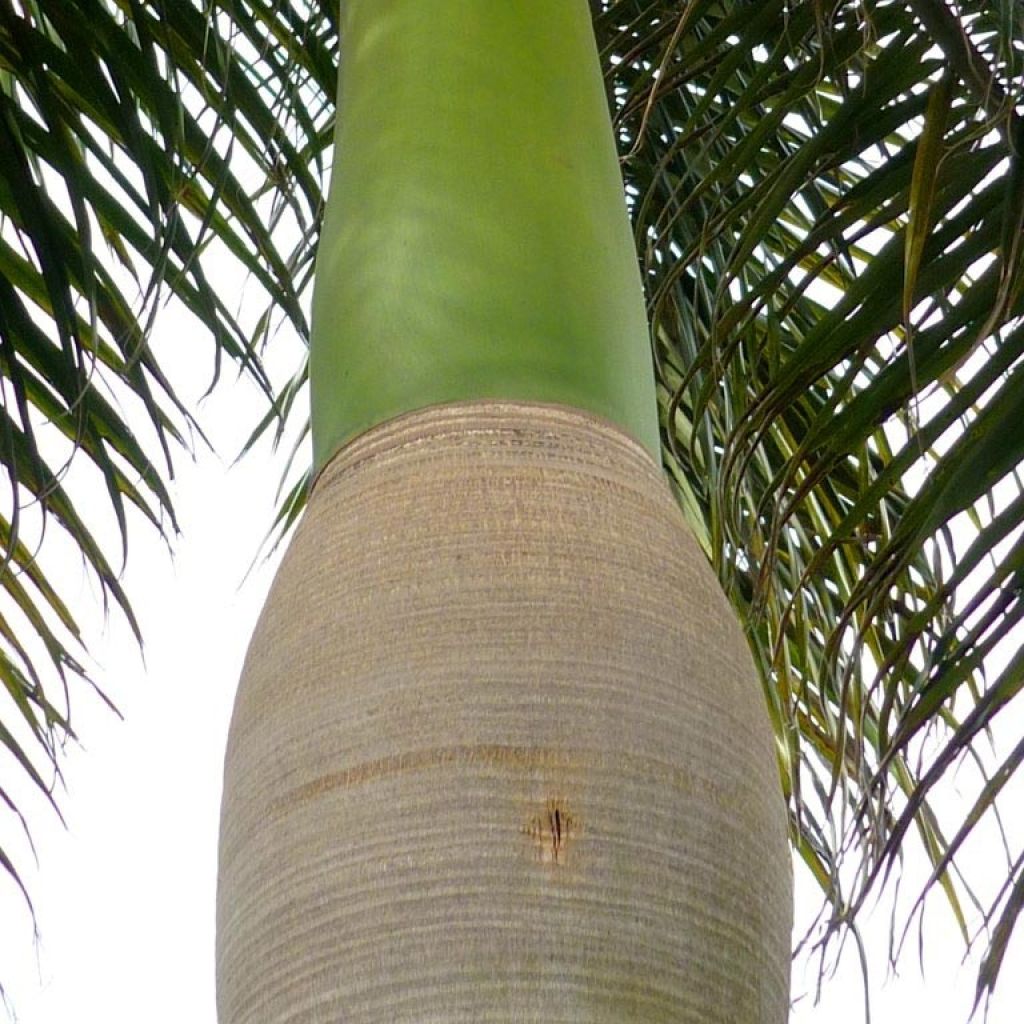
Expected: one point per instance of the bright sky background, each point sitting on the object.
(125, 896)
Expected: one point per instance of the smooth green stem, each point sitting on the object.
(476, 242)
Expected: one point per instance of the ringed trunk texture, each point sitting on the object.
(499, 752)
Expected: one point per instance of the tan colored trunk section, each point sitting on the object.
(499, 752)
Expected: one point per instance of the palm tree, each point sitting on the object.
(826, 206)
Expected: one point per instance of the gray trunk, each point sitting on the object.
(499, 752)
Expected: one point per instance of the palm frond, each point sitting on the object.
(827, 210)
(138, 151)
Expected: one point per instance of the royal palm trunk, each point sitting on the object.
(498, 752)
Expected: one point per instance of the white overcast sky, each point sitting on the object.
(125, 895)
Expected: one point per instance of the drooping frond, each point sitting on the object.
(828, 203)
(139, 154)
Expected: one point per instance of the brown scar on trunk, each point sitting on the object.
(553, 830)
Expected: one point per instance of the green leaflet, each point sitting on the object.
(922, 185)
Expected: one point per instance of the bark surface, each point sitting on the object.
(499, 752)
